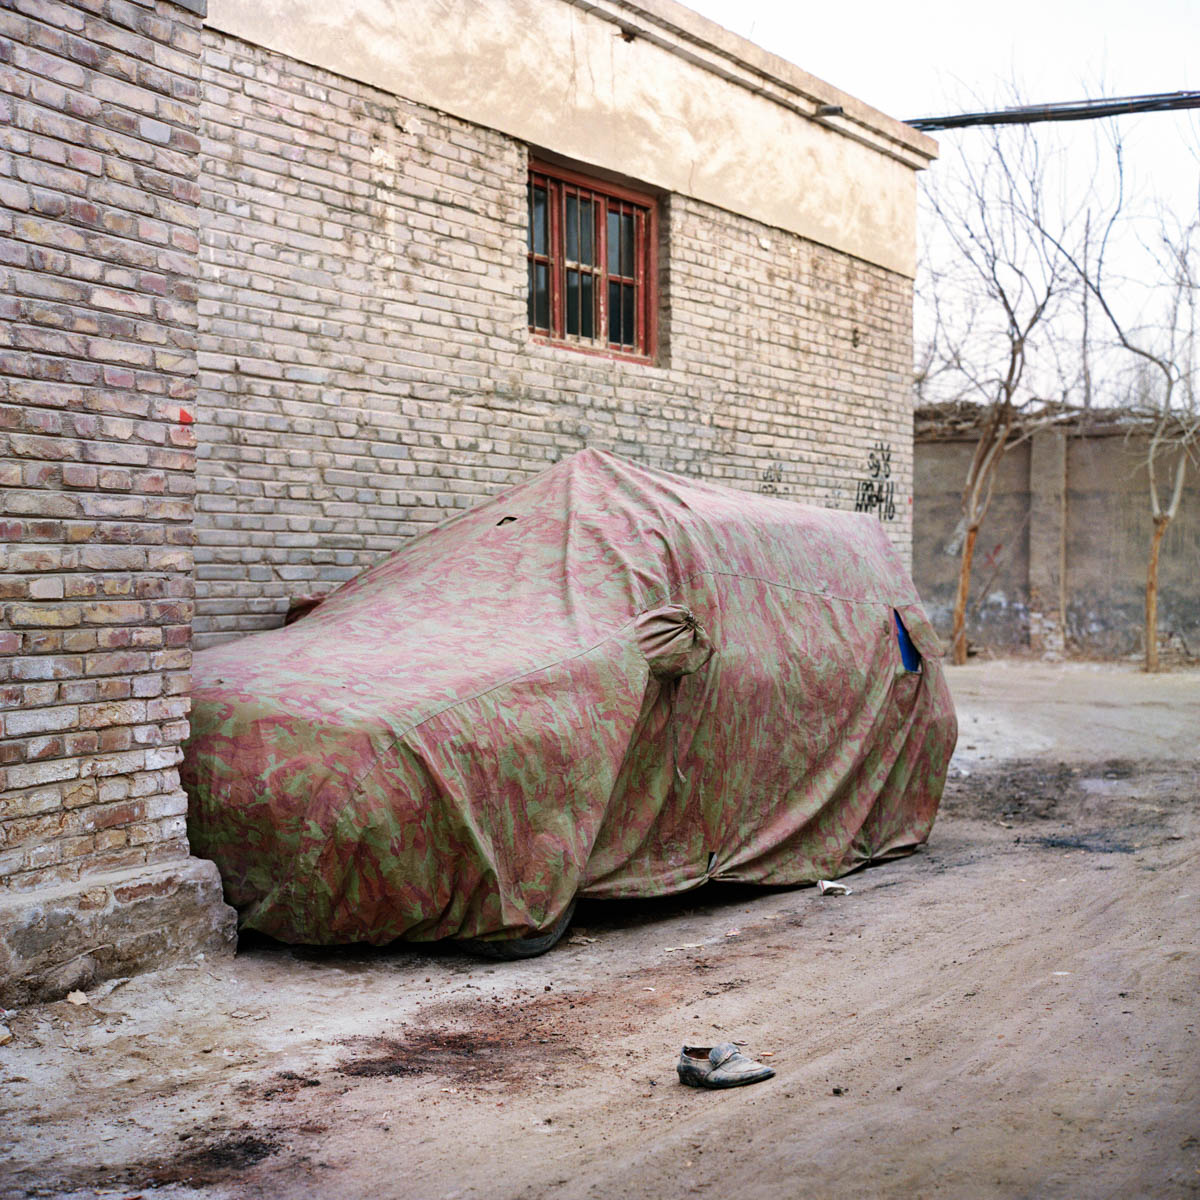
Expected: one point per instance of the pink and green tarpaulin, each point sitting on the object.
(608, 681)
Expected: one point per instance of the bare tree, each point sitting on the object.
(992, 309)
(1164, 347)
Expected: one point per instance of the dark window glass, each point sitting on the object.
(572, 229)
(537, 225)
(541, 293)
(572, 313)
(587, 229)
(614, 313)
(628, 326)
(627, 244)
(587, 307)
(614, 243)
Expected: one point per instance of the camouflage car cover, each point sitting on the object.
(608, 681)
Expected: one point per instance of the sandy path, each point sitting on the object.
(1011, 1013)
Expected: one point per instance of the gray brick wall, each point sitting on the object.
(98, 218)
(365, 366)
(97, 365)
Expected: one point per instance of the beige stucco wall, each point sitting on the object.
(650, 90)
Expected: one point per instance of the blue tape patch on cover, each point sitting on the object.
(909, 655)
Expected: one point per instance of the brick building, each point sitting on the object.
(285, 283)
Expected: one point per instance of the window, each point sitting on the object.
(591, 263)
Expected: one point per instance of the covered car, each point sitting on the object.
(607, 681)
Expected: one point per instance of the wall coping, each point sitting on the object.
(647, 89)
(961, 422)
(702, 42)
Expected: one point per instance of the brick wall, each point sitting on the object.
(365, 366)
(98, 220)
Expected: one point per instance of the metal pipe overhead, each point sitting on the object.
(1071, 110)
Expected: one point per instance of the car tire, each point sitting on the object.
(511, 949)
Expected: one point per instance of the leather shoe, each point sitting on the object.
(720, 1066)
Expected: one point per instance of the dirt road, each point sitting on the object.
(1010, 1013)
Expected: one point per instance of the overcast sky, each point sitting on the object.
(909, 59)
(927, 58)
(935, 57)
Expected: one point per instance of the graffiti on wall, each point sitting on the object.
(874, 494)
(771, 479)
(877, 492)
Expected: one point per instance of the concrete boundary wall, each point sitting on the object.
(1061, 557)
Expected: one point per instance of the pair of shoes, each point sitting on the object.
(720, 1066)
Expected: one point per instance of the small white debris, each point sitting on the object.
(76, 998)
(827, 887)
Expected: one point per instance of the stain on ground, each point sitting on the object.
(481, 1040)
(1116, 792)
(1021, 791)
(221, 1160)
(286, 1083)
(1097, 844)
(234, 1155)
(726, 985)
(481, 1055)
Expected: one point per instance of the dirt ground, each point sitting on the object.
(1010, 1013)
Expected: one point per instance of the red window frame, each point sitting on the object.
(592, 260)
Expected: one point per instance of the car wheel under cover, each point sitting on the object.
(510, 949)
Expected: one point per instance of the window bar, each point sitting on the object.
(619, 295)
(587, 295)
(578, 314)
(639, 267)
(555, 200)
(539, 256)
(602, 259)
(570, 216)
(601, 277)
(627, 333)
(612, 265)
